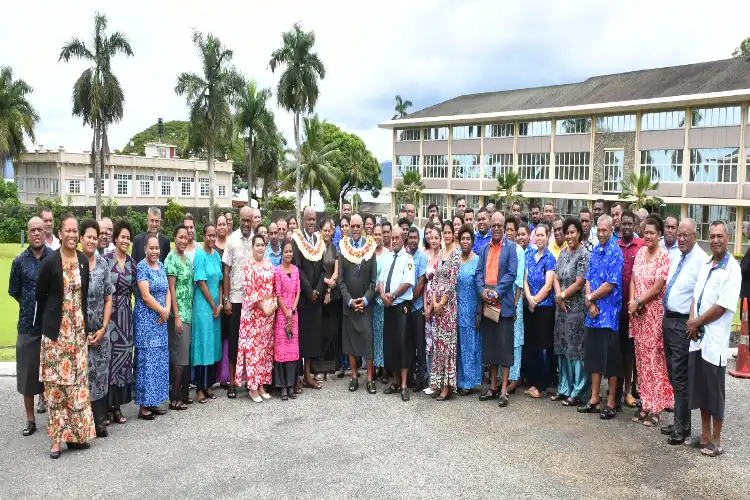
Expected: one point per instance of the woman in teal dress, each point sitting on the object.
(205, 346)
(381, 255)
(469, 339)
(520, 233)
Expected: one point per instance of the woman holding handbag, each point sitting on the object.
(286, 330)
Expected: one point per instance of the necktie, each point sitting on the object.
(390, 274)
(673, 279)
(355, 244)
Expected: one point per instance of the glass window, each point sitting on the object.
(616, 123)
(166, 184)
(144, 184)
(535, 129)
(203, 184)
(406, 163)
(441, 200)
(467, 132)
(704, 215)
(123, 184)
(472, 201)
(436, 134)
(569, 208)
(54, 186)
(716, 117)
(663, 120)
(714, 165)
(573, 126)
(572, 166)
(664, 165)
(675, 210)
(533, 166)
(496, 164)
(499, 130)
(222, 190)
(407, 134)
(613, 170)
(747, 168)
(74, 186)
(186, 186)
(436, 166)
(104, 183)
(466, 166)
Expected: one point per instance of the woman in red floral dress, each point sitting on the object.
(646, 309)
(255, 348)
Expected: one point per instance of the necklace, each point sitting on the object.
(357, 255)
(309, 252)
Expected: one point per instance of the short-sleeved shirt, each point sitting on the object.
(718, 285)
(183, 286)
(605, 266)
(403, 272)
(681, 293)
(481, 240)
(629, 251)
(536, 271)
(274, 257)
(673, 251)
(238, 250)
(492, 263)
(420, 268)
(556, 249)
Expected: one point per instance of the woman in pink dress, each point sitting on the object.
(255, 347)
(286, 331)
(646, 309)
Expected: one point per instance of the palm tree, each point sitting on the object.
(98, 98)
(409, 188)
(253, 120)
(401, 107)
(358, 163)
(297, 91)
(509, 187)
(209, 97)
(17, 115)
(271, 148)
(635, 189)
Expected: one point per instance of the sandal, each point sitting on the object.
(558, 397)
(393, 388)
(607, 413)
(232, 392)
(571, 402)
(652, 420)
(210, 395)
(118, 418)
(639, 417)
(712, 450)
(179, 405)
(589, 407)
(354, 384)
(695, 443)
(315, 385)
(202, 400)
(534, 393)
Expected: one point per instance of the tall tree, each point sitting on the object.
(362, 174)
(271, 150)
(98, 98)
(401, 107)
(509, 187)
(743, 51)
(635, 189)
(18, 117)
(209, 97)
(298, 91)
(409, 188)
(254, 120)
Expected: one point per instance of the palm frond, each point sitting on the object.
(76, 48)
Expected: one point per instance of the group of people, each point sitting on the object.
(539, 302)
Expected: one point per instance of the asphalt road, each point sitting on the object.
(331, 444)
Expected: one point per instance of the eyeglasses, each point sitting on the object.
(496, 226)
(685, 235)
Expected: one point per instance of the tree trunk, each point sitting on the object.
(103, 159)
(309, 202)
(249, 168)
(298, 182)
(95, 166)
(211, 181)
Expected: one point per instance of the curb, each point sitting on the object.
(7, 368)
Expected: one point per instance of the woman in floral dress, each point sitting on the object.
(646, 309)
(286, 330)
(179, 268)
(255, 348)
(122, 270)
(469, 340)
(381, 254)
(519, 233)
(432, 235)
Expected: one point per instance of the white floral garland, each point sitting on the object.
(309, 252)
(357, 255)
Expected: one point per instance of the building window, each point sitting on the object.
(123, 184)
(436, 166)
(616, 123)
(144, 184)
(186, 186)
(496, 164)
(533, 166)
(407, 134)
(21, 183)
(467, 132)
(573, 126)
(165, 182)
(572, 166)
(535, 129)
(205, 190)
(222, 190)
(54, 186)
(704, 215)
(441, 200)
(716, 117)
(663, 120)
(714, 165)
(663, 165)
(436, 134)
(613, 170)
(747, 168)
(466, 166)
(497, 130)
(104, 183)
(569, 208)
(74, 186)
(406, 163)
(472, 201)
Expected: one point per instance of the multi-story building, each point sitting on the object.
(129, 180)
(686, 125)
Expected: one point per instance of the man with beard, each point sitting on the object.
(536, 216)
(616, 213)
(22, 286)
(153, 222)
(105, 236)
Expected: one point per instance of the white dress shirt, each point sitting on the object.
(55, 243)
(681, 293)
(403, 272)
(673, 251)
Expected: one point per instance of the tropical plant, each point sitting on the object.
(359, 168)
(209, 97)
(98, 98)
(271, 149)
(409, 188)
(509, 187)
(280, 203)
(254, 120)
(401, 107)
(635, 189)
(743, 50)
(175, 133)
(17, 115)
(298, 91)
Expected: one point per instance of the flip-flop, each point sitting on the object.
(312, 386)
(652, 420)
(711, 450)
(202, 401)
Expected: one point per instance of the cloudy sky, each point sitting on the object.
(425, 51)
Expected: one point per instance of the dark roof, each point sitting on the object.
(699, 78)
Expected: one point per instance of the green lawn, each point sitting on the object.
(8, 306)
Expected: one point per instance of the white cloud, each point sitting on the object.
(427, 52)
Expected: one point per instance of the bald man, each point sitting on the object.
(105, 236)
(22, 287)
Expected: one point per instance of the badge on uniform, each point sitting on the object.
(410, 266)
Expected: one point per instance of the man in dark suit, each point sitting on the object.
(139, 243)
(494, 277)
(358, 273)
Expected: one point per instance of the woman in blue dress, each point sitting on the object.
(469, 338)
(381, 255)
(151, 340)
(519, 233)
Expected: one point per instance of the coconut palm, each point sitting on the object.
(635, 189)
(509, 187)
(270, 147)
(209, 97)
(297, 91)
(17, 115)
(409, 188)
(401, 107)
(253, 120)
(98, 98)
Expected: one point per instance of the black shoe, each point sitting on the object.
(78, 446)
(371, 387)
(29, 429)
(102, 432)
(464, 392)
(292, 394)
(607, 413)
(158, 411)
(419, 387)
(284, 394)
(353, 384)
(54, 455)
(391, 389)
(341, 373)
(667, 430)
(503, 400)
(676, 438)
(41, 406)
(404, 395)
(589, 408)
(490, 394)
(669, 410)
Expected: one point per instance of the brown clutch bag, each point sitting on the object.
(491, 312)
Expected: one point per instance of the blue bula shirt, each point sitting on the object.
(337, 237)
(420, 268)
(274, 257)
(605, 266)
(537, 271)
(480, 241)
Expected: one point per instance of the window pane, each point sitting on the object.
(716, 117)
(664, 165)
(496, 164)
(533, 166)
(613, 170)
(573, 126)
(466, 166)
(714, 165)
(572, 166)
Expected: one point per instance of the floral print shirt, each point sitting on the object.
(183, 287)
(605, 266)
(537, 274)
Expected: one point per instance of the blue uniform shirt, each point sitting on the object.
(480, 241)
(420, 268)
(537, 270)
(22, 286)
(605, 266)
(274, 257)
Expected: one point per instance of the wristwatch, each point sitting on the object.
(562, 294)
(226, 300)
(638, 300)
(588, 298)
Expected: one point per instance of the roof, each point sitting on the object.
(699, 78)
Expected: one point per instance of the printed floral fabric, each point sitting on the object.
(100, 287)
(183, 287)
(286, 288)
(605, 266)
(569, 326)
(121, 336)
(255, 347)
(443, 371)
(536, 271)
(469, 341)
